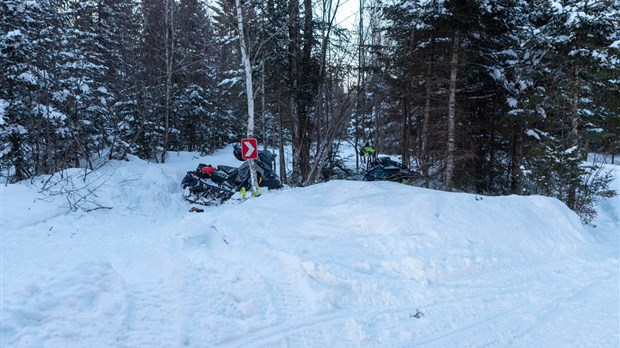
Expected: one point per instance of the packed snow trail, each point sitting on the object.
(340, 264)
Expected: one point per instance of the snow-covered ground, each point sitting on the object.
(339, 264)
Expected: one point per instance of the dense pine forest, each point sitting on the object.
(492, 97)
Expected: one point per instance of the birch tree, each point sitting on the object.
(249, 89)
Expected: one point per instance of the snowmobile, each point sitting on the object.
(210, 186)
(384, 168)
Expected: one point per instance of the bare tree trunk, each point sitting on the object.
(294, 58)
(330, 133)
(406, 132)
(360, 117)
(301, 80)
(452, 112)
(249, 89)
(356, 141)
(281, 146)
(262, 101)
(572, 190)
(427, 115)
(575, 108)
(169, 45)
(516, 182)
(325, 131)
(305, 102)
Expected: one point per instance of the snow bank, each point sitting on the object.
(340, 264)
(417, 233)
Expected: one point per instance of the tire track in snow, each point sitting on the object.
(512, 303)
(289, 288)
(286, 291)
(527, 312)
(156, 304)
(557, 309)
(278, 332)
(147, 311)
(281, 331)
(258, 288)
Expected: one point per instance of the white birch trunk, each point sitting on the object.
(245, 58)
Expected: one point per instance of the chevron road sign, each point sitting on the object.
(249, 148)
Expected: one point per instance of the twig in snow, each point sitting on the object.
(220, 233)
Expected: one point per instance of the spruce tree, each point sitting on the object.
(575, 57)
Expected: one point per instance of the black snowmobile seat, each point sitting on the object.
(219, 176)
(227, 169)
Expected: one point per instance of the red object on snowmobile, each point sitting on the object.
(207, 170)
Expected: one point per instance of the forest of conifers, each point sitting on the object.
(485, 96)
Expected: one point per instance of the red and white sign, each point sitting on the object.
(249, 149)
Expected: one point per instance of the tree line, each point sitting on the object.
(492, 97)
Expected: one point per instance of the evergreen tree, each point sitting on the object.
(118, 45)
(453, 59)
(19, 23)
(34, 130)
(575, 40)
(81, 94)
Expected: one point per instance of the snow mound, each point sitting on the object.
(338, 264)
(417, 233)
